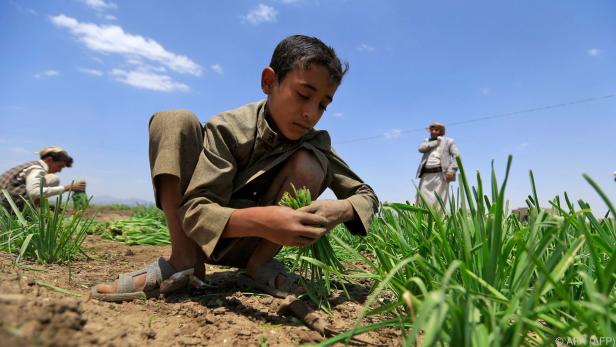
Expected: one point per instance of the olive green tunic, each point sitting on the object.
(228, 155)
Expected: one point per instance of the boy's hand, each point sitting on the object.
(334, 211)
(76, 186)
(289, 227)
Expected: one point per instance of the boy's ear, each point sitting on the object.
(268, 80)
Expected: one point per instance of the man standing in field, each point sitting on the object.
(438, 165)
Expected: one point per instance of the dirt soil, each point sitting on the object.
(34, 314)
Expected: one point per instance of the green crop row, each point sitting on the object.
(44, 231)
(136, 230)
(478, 276)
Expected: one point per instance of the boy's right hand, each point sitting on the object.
(288, 227)
(76, 186)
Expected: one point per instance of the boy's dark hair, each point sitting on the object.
(300, 50)
(59, 156)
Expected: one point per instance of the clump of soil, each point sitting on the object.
(42, 322)
(32, 314)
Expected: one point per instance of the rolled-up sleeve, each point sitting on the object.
(203, 212)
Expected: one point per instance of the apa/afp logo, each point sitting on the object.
(586, 341)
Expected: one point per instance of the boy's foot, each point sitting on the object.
(159, 276)
(273, 278)
(281, 282)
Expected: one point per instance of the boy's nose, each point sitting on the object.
(311, 113)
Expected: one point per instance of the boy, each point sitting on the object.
(219, 185)
(24, 181)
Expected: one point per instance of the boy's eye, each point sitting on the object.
(303, 96)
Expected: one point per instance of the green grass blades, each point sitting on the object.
(478, 276)
(149, 212)
(317, 262)
(44, 232)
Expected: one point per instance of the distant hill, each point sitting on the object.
(112, 200)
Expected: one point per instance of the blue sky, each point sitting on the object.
(86, 75)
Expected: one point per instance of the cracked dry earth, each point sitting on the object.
(34, 314)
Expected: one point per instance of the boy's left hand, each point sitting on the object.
(335, 211)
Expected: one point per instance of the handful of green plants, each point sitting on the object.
(317, 261)
(80, 200)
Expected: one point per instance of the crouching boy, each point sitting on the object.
(219, 184)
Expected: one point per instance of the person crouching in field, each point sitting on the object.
(23, 181)
(219, 184)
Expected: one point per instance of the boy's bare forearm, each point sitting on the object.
(349, 213)
(281, 225)
(247, 222)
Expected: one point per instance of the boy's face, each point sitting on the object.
(54, 166)
(297, 102)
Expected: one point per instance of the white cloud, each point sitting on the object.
(338, 114)
(522, 146)
(110, 17)
(217, 69)
(48, 73)
(146, 79)
(594, 52)
(261, 14)
(290, 2)
(363, 47)
(93, 72)
(100, 5)
(393, 134)
(485, 91)
(134, 61)
(113, 39)
(98, 60)
(140, 64)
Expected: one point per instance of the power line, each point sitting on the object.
(490, 117)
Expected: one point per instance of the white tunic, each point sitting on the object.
(432, 184)
(51, 183)
(434, 159)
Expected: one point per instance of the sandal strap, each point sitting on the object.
(153, 277)
(268, 272)
(125, 283)
(290, 282)
(125, 280)
(155, 272)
